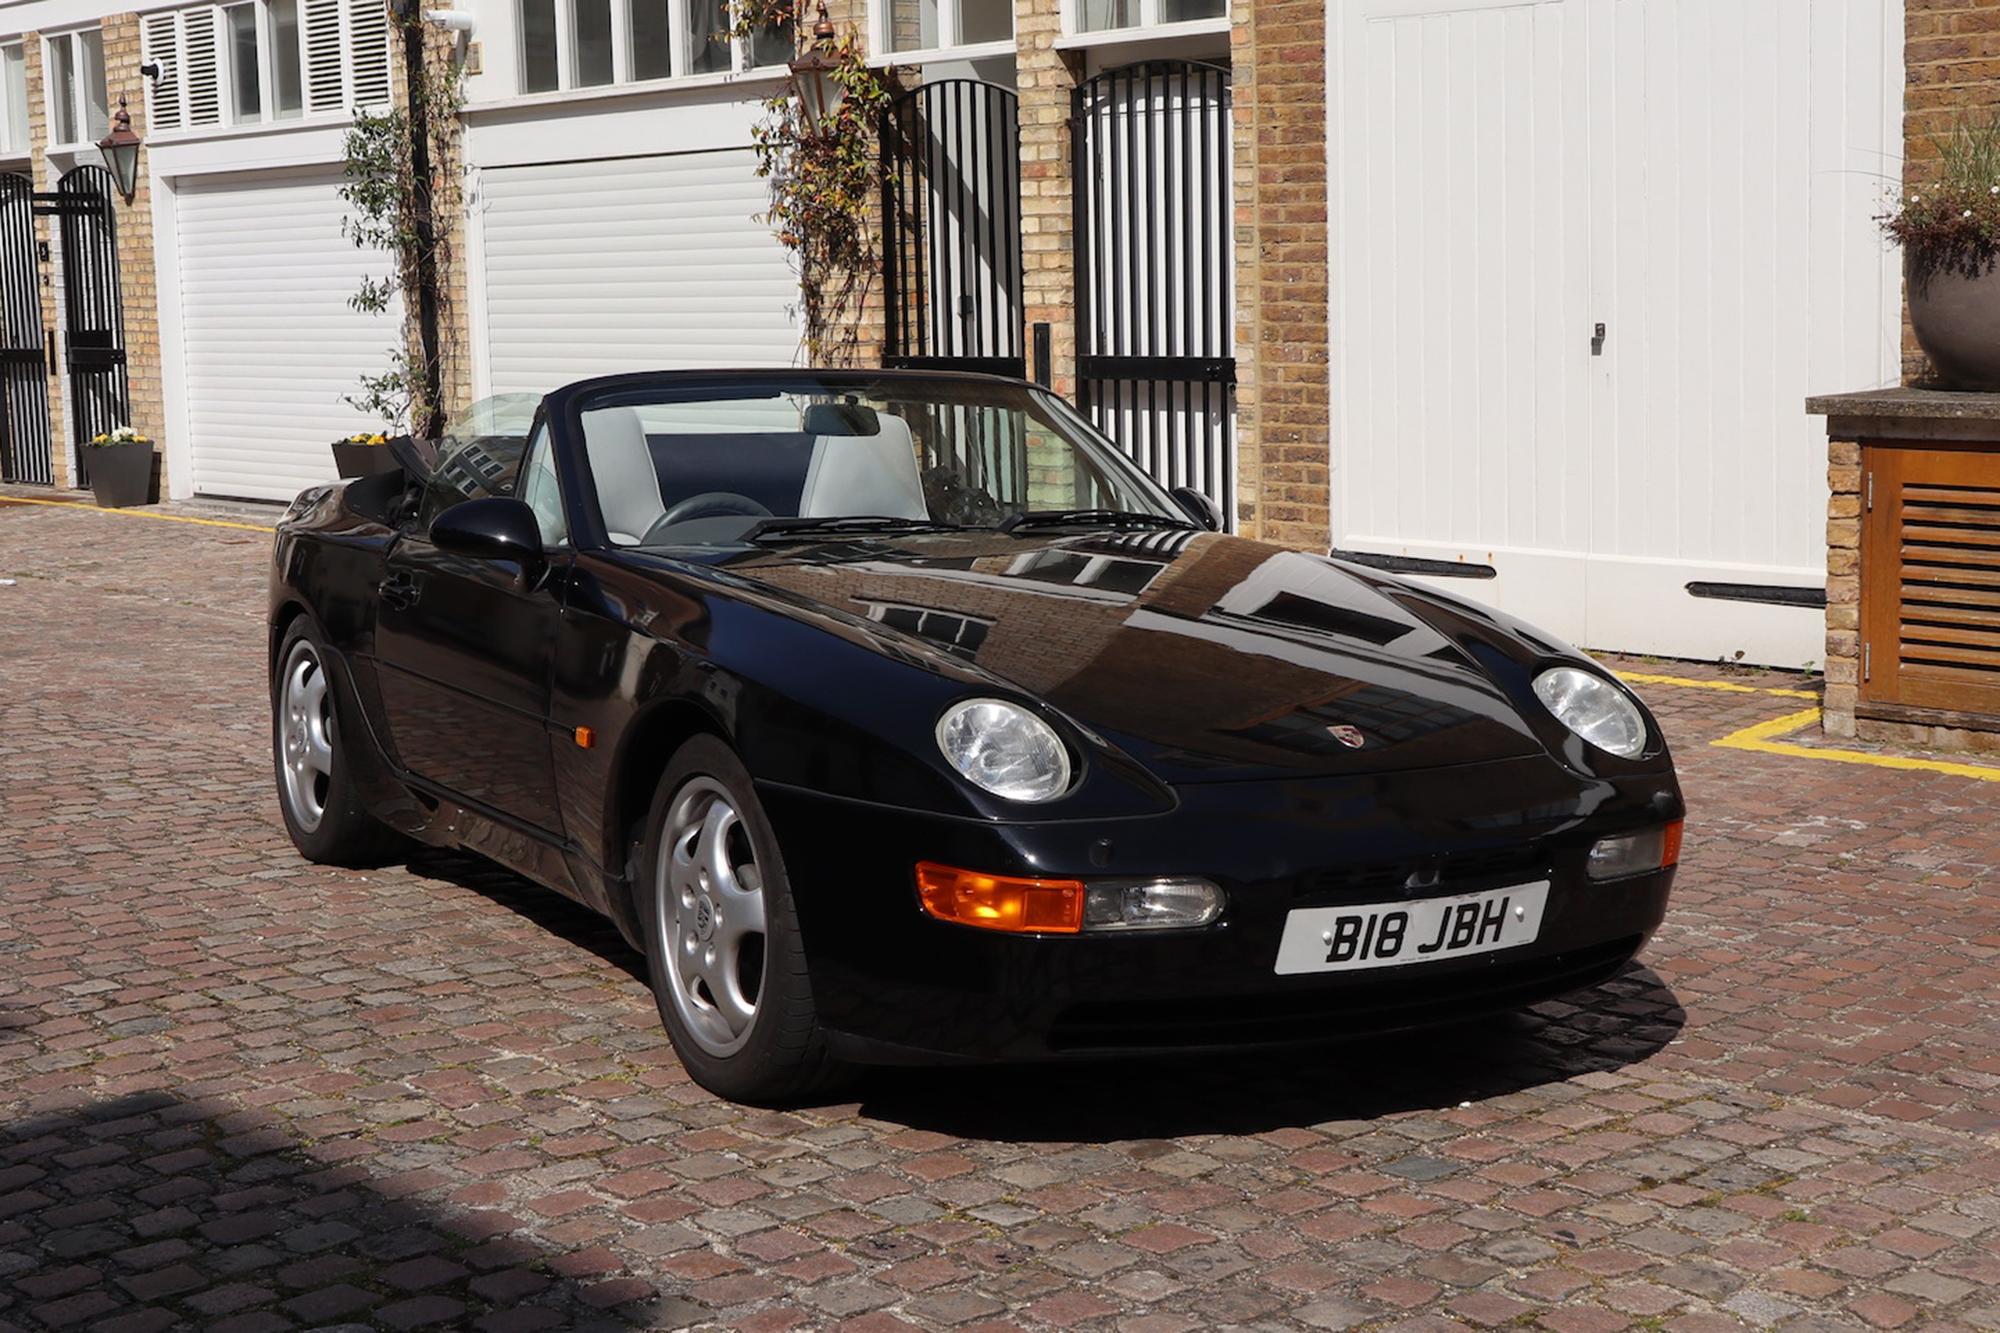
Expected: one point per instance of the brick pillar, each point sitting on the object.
(454, 329)
(1843, 586)
(1279, 129)
(1046, 79)
(138, 281)
(1951, 52)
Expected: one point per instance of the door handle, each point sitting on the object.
(399, 590)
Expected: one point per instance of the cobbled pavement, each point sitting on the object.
(242, 1093)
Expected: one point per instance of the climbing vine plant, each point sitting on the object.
(822, 187)
(401, 187)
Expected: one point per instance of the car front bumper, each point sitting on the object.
(894, 985)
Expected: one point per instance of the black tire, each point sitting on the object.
(323, 815)
(728, 967)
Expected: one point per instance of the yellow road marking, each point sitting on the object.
(132, 513)
(1762, 737)
(1714, 685)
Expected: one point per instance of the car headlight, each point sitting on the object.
(1594, 709)
(1005, 749)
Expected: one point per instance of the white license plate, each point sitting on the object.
(1347, 939)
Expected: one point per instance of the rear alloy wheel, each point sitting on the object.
(325, 818)
(728, 968)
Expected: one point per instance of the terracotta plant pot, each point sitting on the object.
(1955, 313)
(121, 475)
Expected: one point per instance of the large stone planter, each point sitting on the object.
(121, 475)
(1955, 313)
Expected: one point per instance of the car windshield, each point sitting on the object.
(807, 457)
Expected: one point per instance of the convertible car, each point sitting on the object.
(899, 718)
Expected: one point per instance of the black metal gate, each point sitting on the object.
(951, 200)
(1155, 270)
(94, 314)
(24, 364)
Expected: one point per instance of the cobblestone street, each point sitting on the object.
(243, 1093)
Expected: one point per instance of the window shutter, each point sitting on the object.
(368, 26)
(326, 83)
(201, 70)
(160, 38)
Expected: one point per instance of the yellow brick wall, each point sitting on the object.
(1951, 58)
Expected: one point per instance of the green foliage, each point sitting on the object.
(400, 202)
(1954, 222)
(823, 186)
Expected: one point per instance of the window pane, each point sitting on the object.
(289, 94)
(592, 59)
(14, 98)
(652, 42)
(708, 36)
(246, 102)
(90, 81)
(1180, 11)
(986, 21)
(1099, 15)
(913, 25)
(62, 89)
(538, 46)
(772, 44)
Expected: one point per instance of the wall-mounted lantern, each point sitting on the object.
(819, 92)
(121, 153)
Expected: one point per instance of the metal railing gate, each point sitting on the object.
(24, 363)
(951, 204)
(1155, 270)
(94, 343)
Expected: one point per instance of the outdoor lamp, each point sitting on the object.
(121, 152)
(812, 77)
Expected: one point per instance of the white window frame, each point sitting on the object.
(81, 104)
(14, 138)
(267, 63)
(950, 19)
(621, 50)
(1149, 24)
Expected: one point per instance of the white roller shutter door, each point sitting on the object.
(271, 344)
(644, 263)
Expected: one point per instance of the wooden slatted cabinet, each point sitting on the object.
(1930, 582)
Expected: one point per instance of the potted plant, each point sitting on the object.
(363, 454)
(119, 466)
(1950, 233)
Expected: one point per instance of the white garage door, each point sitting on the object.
(1592, 257)
(271, 344)
(641, 263)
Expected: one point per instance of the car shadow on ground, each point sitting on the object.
(151, 1211)
(548, 909)
(1604, 1028)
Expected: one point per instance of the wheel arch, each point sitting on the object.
(648, 747)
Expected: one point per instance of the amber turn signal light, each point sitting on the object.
(1001, 902)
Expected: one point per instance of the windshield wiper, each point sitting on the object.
(787, 526)
(1108, 518)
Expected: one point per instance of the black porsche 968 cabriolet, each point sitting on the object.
(900, 718)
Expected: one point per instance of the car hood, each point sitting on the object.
(1204, 656)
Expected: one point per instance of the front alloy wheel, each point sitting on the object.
(722, 941)
(712, 893)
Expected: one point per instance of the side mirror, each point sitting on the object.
(495, 528)
(1198, 507)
